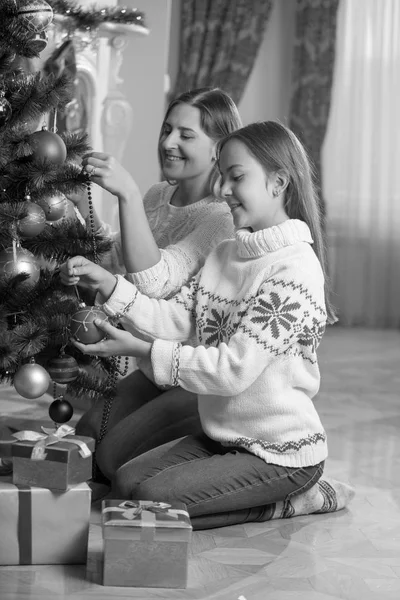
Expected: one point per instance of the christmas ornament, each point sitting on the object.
(82, 327)
(16, 260)
(60, 411)
(34, 222)
(35, 15)
(63, 368)
(47, 146)
(54, 207)
(5, 109)
(31, 380)
(38, 42)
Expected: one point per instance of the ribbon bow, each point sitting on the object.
(132, 510)
(50, 437)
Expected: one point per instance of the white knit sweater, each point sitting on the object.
(184, 234)
(258, 312)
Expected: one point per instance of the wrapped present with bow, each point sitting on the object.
(42, 527)
(145, 543)
(54, 459)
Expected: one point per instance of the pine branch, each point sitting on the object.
(33, 95)
(63, 240)
(82, 18)
(77, 144)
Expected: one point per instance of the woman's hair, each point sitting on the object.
(277, 148)
(219, 115)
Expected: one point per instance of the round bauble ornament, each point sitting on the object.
(35, 15)
(5, 110)
(60, 411)
(47, 146)
(54, 206)
(63, 368)
(82, 327)
(31, 380)
(13, 262)
(34, 222)
(38, 42)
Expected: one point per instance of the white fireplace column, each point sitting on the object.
(99, 106)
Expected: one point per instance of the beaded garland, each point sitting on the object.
(115, 361)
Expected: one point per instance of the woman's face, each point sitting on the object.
(186, 151)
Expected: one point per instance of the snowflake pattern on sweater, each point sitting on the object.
(280, 316)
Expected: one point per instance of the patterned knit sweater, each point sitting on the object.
(258, 312)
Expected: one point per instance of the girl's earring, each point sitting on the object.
(275, 193)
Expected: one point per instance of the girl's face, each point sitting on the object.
(186, 151)
(247, 189)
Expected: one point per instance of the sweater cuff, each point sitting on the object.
(122, 298)
(149, 276)
(165, 358)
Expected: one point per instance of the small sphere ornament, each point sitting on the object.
(60, 411)
(47, 146)
(63, 368)
(54, 207)
(35, 15)
(82, 327)
(14, 261)
(31, 380)
(34, 222)
(5, 109)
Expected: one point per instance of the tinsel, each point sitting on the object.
(92, 17)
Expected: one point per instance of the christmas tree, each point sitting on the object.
(39, 227)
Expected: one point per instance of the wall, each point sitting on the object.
(143, 71)
(267, 93)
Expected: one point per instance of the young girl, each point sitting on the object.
(258, 311)
(163, 242)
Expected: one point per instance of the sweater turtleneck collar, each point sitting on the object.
(253, 244)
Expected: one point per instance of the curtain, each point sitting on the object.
(313, 62)
(361, 163)
(219, 43)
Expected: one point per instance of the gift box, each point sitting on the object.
(41, 527)
(145, 543)
(55, 460)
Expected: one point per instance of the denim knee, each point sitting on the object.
(148, 489)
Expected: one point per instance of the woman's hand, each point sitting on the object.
(117, 343)
(83, 272)
(109, 174)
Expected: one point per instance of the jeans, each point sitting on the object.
(142, 417)
(220, 486)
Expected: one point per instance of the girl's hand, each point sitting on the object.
(117, 343)
(109, 174)
(83, 272)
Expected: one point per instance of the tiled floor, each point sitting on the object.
(353, 554)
